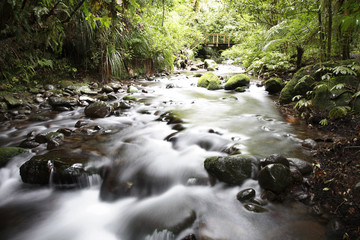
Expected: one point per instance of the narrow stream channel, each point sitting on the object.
(174, 197)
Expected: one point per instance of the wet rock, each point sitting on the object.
(209, 79)
(66, 170)
(98, 109)
(111, 96)
(29, 144)
(170, 85)
(66, 131)
(87, 99)
(210, 65)
(232, 169)
(41, 138)
(274, 158)
(240, 89)
(254, 208)
(54, 136)
(114, 85)
(68, 102)
(49, 87)
(178, 127)
(296, 175)
(246, 195)
(130, 98)
(189, 237)
(7, 153)
(12, 102)
(107, 89)
(275, 177)
(62, 109)
(81, 123)
(309, 143)
(239, 80)
(86, 90)
(197, 75)
(274, 85)
(170, 118)
(303, 166)
(3, 106)
(39, 99)
(132, 89)
(194, 68)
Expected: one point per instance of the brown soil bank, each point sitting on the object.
(335, 186)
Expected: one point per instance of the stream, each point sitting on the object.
(175, 197)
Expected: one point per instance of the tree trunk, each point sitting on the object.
(346, 45)
(329, 30)
(321, 35)
(163, 16)
(299, 54)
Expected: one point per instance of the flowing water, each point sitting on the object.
(175, 198)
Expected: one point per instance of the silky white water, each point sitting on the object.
(173, 197)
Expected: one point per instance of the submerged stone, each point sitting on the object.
(254, 208)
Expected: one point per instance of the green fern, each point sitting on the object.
(324, 122)
(303, 103)
(344, 70)
(339, 112)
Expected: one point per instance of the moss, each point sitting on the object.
(274, 85)
(131, 98)
(7, 153)
(239, 80)
(209, 79)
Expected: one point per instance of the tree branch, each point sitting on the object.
(73, 12)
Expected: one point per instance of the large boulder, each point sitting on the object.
(275, 177)
(210, 65)
(7, 153)
(209, 81)
(232, 169)
(239, 80)
(58, 168)
(274, 85)
(98, 109)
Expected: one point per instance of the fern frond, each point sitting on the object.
(338, 112)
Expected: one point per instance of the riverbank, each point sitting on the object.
(335, 182)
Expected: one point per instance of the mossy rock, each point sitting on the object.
(240, 89)
(239, 80)
(13, 102)
(130, 98)
(321, 99)
(65, 83)
(209, 81)
(304, 79)
(232, 169)
(274, 85)
(7, 153)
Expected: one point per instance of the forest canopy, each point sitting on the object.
(123, 38)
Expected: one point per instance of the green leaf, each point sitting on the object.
(339, 112)
(324, 122)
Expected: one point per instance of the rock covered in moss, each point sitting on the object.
(209, 81)
(232, 169)
(239, 80)
(98, 109)
(274, 85)
(12, 102)
(7, 153)
(275, 177)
